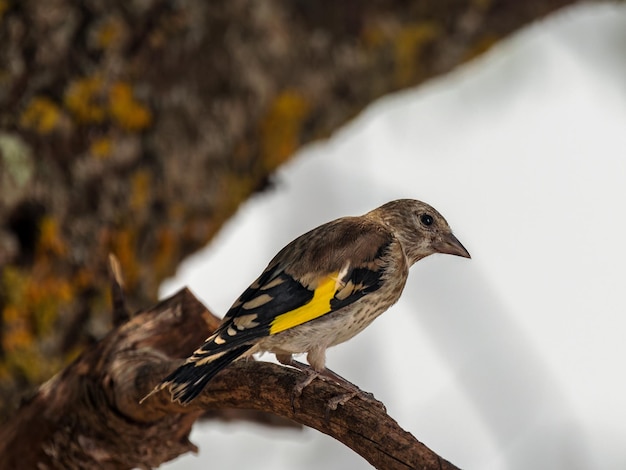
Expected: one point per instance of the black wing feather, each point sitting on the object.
(189, 380)
(286, 296)
(367, 280)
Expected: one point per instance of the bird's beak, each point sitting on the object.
(450, 245)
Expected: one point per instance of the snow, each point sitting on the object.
(511, 360)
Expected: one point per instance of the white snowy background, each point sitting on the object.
(515, 359)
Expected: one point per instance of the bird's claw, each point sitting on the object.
(300, 386)
(344, 398)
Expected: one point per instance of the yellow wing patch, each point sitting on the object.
(319, 305)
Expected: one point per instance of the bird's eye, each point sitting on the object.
(426, 219)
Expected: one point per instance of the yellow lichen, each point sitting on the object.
(32, 363)
(86, 99)
(101, 147)
(83, 278)
(280, 128)
(141, 186)
(109, 33)
(125, 110)
(482, 5)
(46, 298)
(47, 290)
(41, 115)
(4, 6)
(12, 284)
(50, 239)
(481, 46)
(164, 257)
(33, 305)
(92, 100)
(408, 46)
(17, 333)
(374, 36)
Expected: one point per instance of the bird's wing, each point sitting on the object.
(320, 272)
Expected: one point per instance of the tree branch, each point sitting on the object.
(89, 415)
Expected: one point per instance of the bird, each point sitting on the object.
(320, 290)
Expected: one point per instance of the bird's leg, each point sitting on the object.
(317, 359)
(311, 375)
(327, 375)
(288, 360)
(353, 391)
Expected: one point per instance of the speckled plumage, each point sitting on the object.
(320, 290)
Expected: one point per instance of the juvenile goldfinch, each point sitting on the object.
(320, 290)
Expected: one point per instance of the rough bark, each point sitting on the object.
(89, 415)
(139, 127)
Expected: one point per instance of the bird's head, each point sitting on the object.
(421, 230)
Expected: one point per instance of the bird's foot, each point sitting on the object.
(344, 398)
(328, 375)
(352, 391)
(311, 375)
(337, 400)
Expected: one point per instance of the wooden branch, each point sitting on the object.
(89, 416)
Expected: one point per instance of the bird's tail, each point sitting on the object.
(186, 382)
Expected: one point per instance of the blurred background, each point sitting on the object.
(135, 128)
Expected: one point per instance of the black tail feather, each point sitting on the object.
(189, 380)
